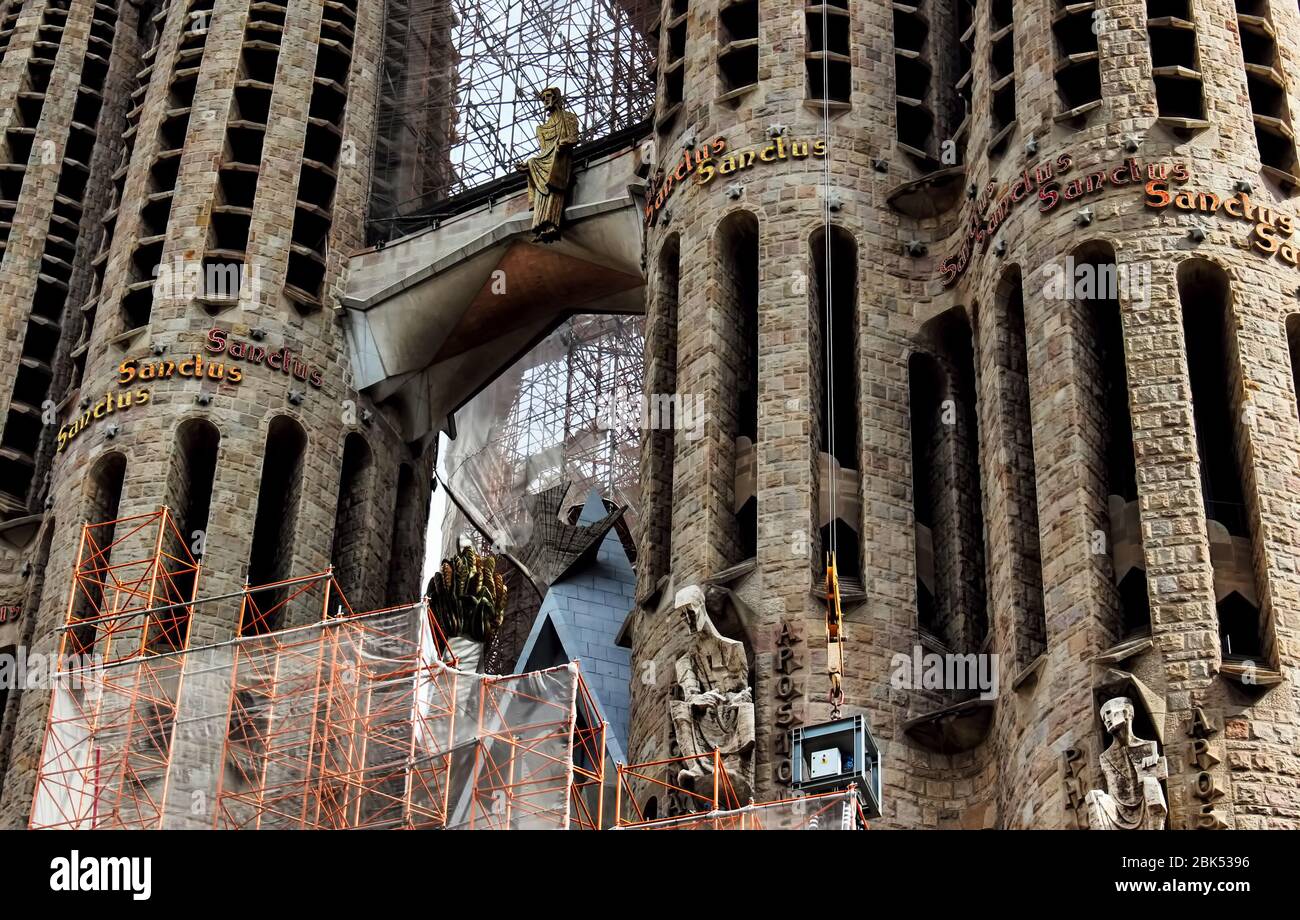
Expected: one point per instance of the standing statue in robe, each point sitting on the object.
(1131, 770)
(712, 705)
(550, 173)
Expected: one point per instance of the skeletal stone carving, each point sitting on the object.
(712, 705)
(1131, 771)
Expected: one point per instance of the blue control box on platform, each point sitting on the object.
(832, 755)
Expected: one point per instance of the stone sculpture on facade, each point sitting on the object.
(712, 705)
(1131, 770)
(550, 172)
(468, 599)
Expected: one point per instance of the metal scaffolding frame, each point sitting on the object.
(718, 809)
(358, 720)
(459, 86)
(568, 411)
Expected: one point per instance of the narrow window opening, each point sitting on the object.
(947, 503)
(1002, 73)
(313, 214)
(924, 387)
(1078, 67)
(276, 523)
(1210, 340)
(827, 58)
(103, 505)
(957, 341)
(250, 112)
(404, 550)
(662, 347)
(1175, 64)
(913, 104)
(1266, 82)
(138, 296)
(1124, 542)
(738, 45)
(193, 476)
(840, 284)
(673, 63)
(1031, 628)
(962, 100)
(351, 517)
(738, 288)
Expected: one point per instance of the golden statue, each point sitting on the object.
(550, 172)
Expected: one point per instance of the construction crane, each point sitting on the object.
(834, 636)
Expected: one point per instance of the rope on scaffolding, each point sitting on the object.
(834, 616)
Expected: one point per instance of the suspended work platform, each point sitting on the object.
(715, 807)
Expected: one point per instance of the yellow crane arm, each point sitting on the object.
(834, 636)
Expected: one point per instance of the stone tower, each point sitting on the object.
(1051, 249)
(182, 184)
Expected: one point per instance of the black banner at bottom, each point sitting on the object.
(554, 871)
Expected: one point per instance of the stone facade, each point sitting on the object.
(1020, 481)
(232, 134)
(1025, 457)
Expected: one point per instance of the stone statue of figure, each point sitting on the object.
(712, 705)
(1131, 770)
(550, 172)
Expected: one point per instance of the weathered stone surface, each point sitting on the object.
(382, 521)
(1052, 426)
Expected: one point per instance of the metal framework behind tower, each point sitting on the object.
(458, 104)
(569, 411)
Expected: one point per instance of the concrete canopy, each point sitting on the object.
(434, 317)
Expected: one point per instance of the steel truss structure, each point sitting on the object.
(460, 81)
(358, 720)
(568, 411)
(718, 808)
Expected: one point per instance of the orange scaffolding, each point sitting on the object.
(122, 610)
(718, 809)
(358, 720)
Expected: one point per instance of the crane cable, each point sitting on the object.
(834, 614)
